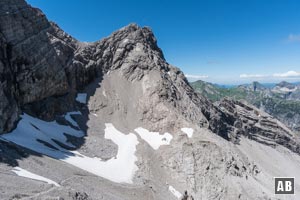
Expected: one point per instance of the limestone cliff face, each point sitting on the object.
(33, 59)
(257, 125)
(9, 109)
(32, 53)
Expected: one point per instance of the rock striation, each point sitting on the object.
(280, 101)
(257, 125)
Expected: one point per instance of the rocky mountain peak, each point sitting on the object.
(286, 85)
(44, 61)
(258, 86)
(135, 33)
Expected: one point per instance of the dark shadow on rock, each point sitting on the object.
(90, 89)
(11, 153)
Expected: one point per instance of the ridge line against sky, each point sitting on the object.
(220, 41)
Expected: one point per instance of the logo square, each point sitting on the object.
(284, 185)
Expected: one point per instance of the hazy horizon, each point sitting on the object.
(245, 83)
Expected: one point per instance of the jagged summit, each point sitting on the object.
(286, 85)
(254, 86)
(257, 86)
(43, 49)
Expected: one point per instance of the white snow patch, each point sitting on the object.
(177, 194)
(188, 131)
(104, 93)
(95, 114)
(285, 89)
(69, 118)
(154, 139)
(81, 98)
(30, 129)
(24, 173)
(38, 136)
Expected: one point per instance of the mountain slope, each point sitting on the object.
(113, 120)
(278, 101)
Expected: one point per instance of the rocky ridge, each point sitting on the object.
(258, 125)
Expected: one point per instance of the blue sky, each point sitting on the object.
(222, 41)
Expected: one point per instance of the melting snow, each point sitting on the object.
(81, 98)
(188, 131)
(95, 114)
(175, 192)
(39, 136)
(24, 173)
(30, 130)
(69, 118)
(154, 139)
(104, 93)
(285, 89)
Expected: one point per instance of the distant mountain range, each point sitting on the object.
(267, 85)
(281, 100)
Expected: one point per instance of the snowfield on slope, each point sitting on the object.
(69, 118)
(81, 98)
(188, 131)
(154, 139)
(40, 136)
(177, 194)
(24, 173)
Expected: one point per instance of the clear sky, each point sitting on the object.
(221, 41)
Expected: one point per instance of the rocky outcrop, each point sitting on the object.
(257, 125)
(187, 197)
(281, 101)
(9, 109)
(80, 196)
(32, 52)
(33, 65)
